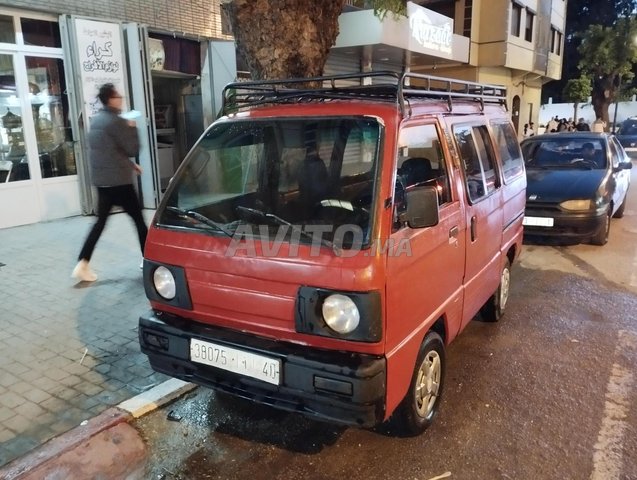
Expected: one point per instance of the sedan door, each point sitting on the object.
(621, 177)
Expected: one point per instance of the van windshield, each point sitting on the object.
(280, 175)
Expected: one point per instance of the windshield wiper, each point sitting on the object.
(296, 228)
(201, 218)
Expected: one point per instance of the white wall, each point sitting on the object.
(585, 110)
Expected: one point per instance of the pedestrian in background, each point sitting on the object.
(552, 125)
(598, 125)
(112, 141)
(582, 126)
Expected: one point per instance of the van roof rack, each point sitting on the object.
(391, 87)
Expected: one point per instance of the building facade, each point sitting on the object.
(516, 43)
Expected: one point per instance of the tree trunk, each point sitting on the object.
(605, 90)
(284, 38)
(575, 109)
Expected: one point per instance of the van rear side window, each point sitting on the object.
(478, 160)
(509, 149)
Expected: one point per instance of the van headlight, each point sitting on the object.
(340, 313)
(164, 282)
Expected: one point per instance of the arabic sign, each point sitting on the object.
(101, 60)
(430, 29)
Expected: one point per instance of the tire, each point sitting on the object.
(601, 237)
(493, 310)
(417, 410)
(620, 211)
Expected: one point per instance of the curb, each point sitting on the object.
(103, 447)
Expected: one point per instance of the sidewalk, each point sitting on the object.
(68, 350)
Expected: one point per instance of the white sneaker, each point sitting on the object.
(141, 265)
(83, 272)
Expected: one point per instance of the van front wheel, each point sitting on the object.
(493, 310)
(418, 408)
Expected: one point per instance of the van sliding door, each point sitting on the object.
(483, 216)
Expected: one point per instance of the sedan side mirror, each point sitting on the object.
(623, 166)
(422, 207)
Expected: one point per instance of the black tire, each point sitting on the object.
(493, 310)
(620, 211)
(601, 237)
(417, 410)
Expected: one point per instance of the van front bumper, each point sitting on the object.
(335, 386)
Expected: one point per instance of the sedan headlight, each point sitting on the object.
(164, 283)
(340, 313)
(578, 205)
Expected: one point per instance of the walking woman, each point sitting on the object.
(112, 141)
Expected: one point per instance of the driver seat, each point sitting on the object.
(312, 180)
(416, 170)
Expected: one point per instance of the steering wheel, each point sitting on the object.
(344, 208)
(585, 162)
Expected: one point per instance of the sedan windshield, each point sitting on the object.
(565, 153)
(282, 175)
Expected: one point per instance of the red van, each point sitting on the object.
(320, 246)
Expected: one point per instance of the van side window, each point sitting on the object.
(421, 161)
(477, 156)
(509, 149)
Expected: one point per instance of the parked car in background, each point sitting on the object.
(576, 183)
(627, 136)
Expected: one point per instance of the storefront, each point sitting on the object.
(50, 69)
(38, 169)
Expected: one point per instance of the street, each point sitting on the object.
(547, 393)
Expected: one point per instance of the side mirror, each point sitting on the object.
(623, 166)
(422, 207)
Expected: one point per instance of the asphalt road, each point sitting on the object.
(549, 392)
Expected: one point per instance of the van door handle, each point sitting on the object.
(474, 228)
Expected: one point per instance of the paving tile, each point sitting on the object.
(10, 399)
(43, 337)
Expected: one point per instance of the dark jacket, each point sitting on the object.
(111, 142)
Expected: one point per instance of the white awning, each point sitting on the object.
(423, 38)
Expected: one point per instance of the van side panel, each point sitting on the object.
(421, 288)
(514, 199)
(482, 270)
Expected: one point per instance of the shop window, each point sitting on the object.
(41, 33)
(180, 54)
(7, 33)
(516, 19)
(50, 109)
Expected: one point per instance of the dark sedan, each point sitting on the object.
(575, 183)
(627, 136)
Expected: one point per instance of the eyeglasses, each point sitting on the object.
(117, 96)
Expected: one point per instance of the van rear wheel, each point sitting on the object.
(417, 410)
(493, 310)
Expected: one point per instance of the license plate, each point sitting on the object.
(538, 221)
(238, 361)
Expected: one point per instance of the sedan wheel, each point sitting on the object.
(601, 238)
